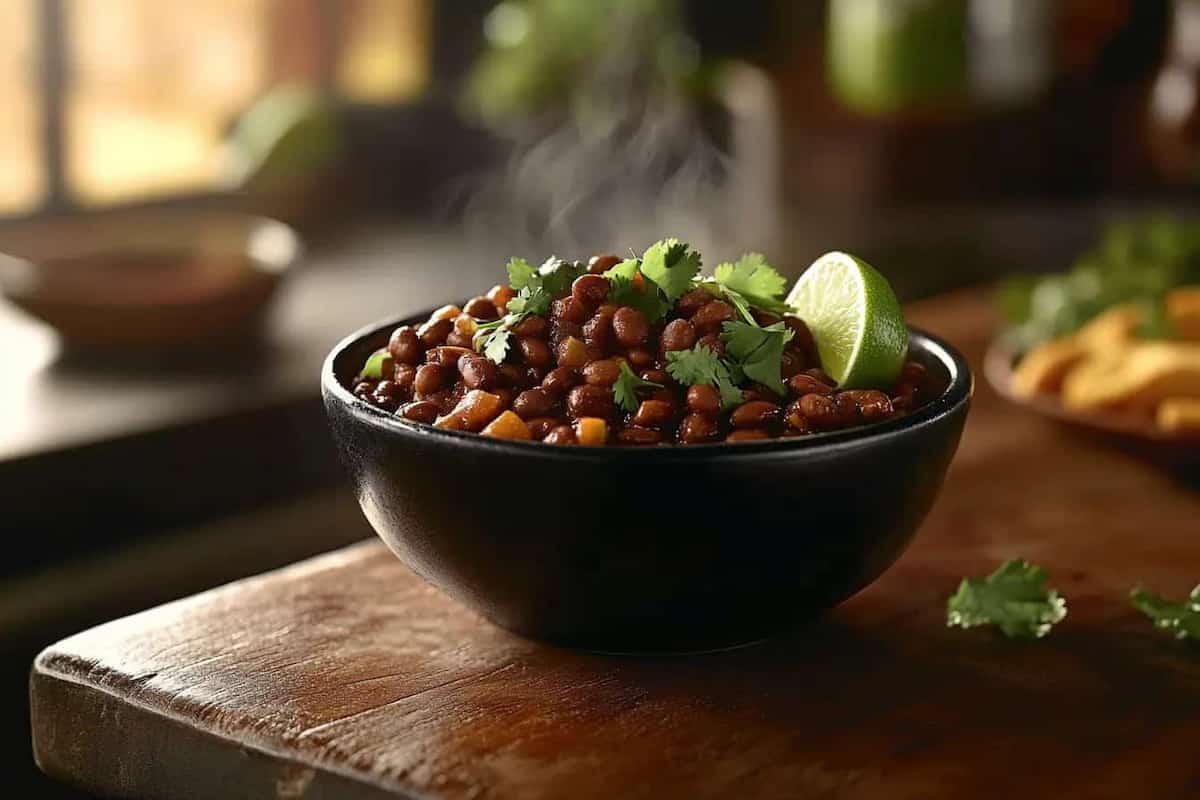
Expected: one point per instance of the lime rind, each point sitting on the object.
(855, 319)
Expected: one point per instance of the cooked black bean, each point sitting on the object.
(559, 380)
(590, 289)
(533, 403)
(478, 372)
(697, 428)
(405, 345)
(603, 263)
(590, 401)
(703, 399)
(680, 334)
(420, 411)
(602, 373)
(481, 308)
(630, 326)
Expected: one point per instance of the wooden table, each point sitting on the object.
(345, 676)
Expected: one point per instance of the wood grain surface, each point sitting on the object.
(346, 676)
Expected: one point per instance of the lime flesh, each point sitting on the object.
(855, 319)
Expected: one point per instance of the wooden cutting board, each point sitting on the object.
(346, 676)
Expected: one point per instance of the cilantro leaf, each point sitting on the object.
(758, 351)
(649, 300)
(496, 345)
(741, 305)
(625, 389)
(520, 272)
(626, 269)
(702, 365)
(672, 265)
(555, 276)
(1180, 620)
(373, 369)
(753, 278)
(530, 300)
(731, 395)
(1014, 598)
(697, 365)
(492, 338)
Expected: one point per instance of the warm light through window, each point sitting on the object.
(384, 56)
(152, 89)
(22, 172)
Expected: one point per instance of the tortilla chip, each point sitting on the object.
(1044, 367)
(1111, 328)
(1179, 415)
(1136, 377)
(1183, 312)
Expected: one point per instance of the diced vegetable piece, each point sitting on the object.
(591, 431)
(379, 366)
(508, 426)
(473, 412)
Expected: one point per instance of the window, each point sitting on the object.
(145, 90)
(22, 168)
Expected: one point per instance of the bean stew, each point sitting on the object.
(637, 351)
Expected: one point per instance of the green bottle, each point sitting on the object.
(888, 56)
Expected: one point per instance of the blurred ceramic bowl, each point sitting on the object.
(148, 280)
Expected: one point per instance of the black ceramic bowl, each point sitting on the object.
(667, 548)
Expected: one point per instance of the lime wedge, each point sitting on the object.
(855, 319)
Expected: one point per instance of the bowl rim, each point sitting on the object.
(959, 391)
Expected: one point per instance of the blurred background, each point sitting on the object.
(197, 200)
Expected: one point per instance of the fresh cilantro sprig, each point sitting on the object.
(753, 281)
(648, 298)
(1180, 620)
(673, 265)
(702, 365)
(653, 283)
(536, 289)
(520, 273)
(625, 389)
(1014, 598)
(758, 351)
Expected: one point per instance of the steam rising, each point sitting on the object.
(623, 181)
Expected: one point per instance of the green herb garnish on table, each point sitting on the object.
(1180, 620)
(1014, 598)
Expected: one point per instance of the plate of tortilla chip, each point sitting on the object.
(1112, 345)
(1104, 376)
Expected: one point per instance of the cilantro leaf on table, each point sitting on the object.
(755, 280)
(625, 389)
(520, 272)
(1014, 598)
(702, 365)
(758, 351)
(672, 265)
(373, 369)
(1180, 620)
(648, 299)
